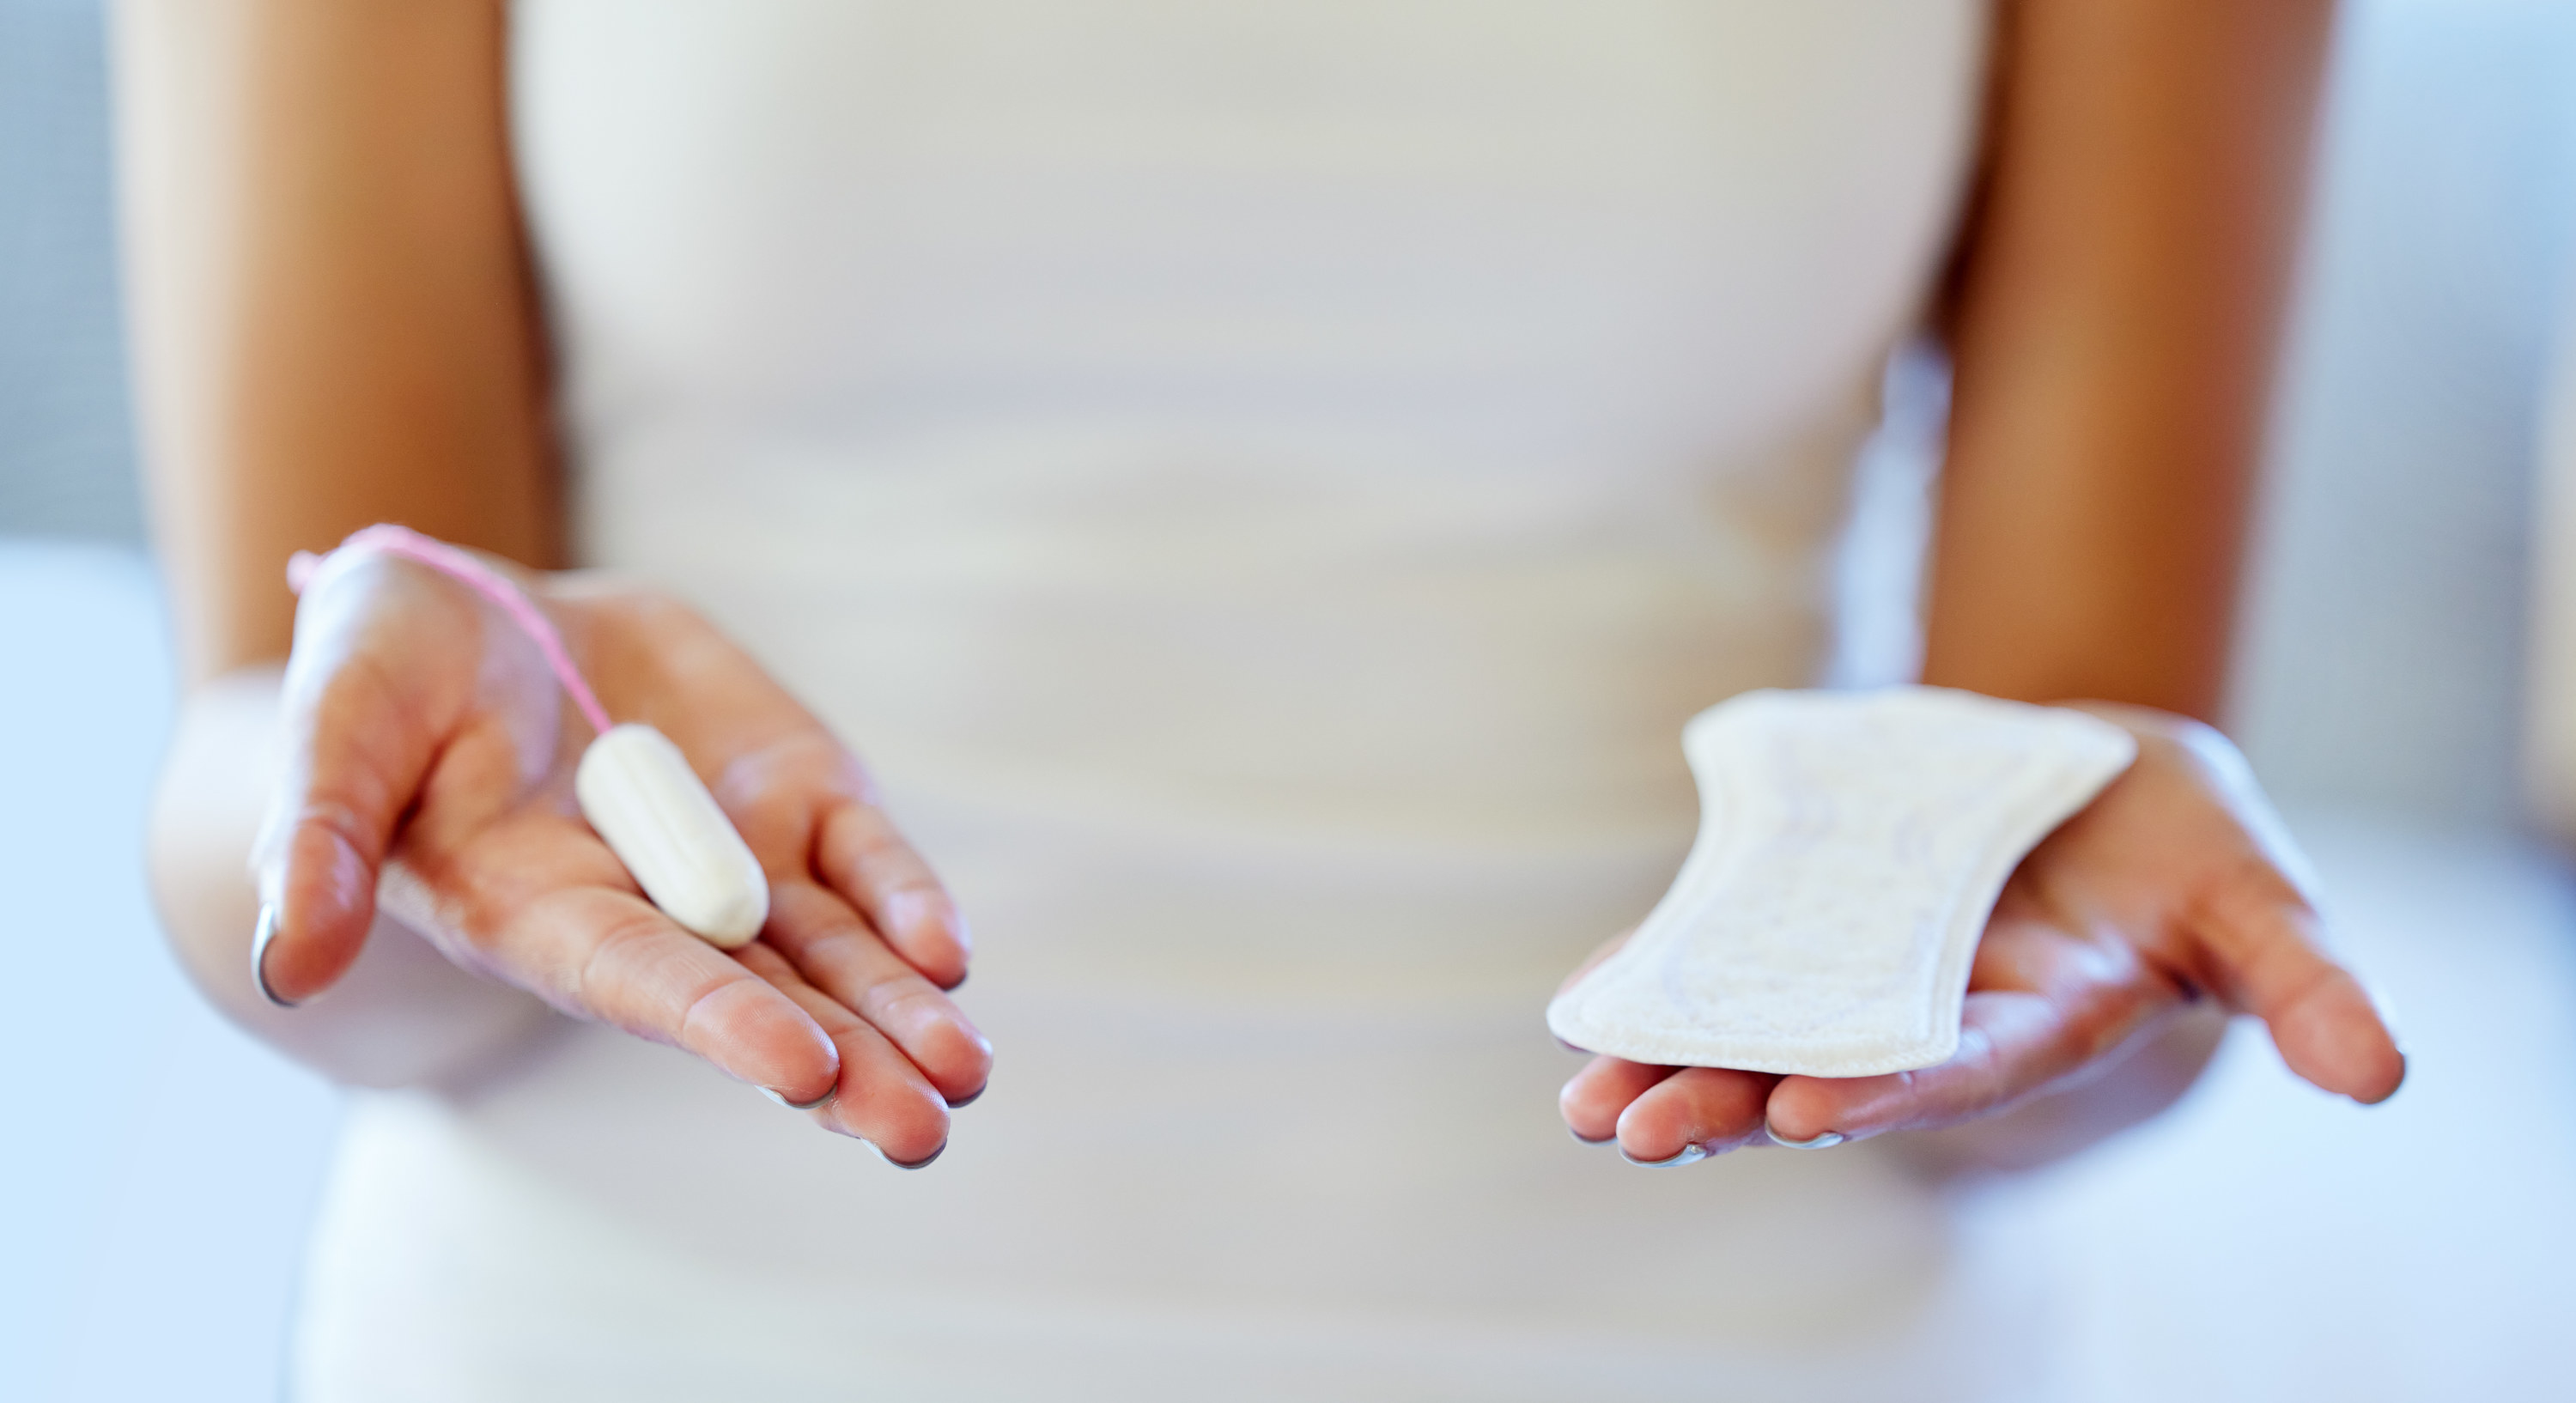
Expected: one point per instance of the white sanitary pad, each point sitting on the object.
(1851, 845)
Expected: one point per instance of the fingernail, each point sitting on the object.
(816, 1104)
(1581, 1139)
(969, 1099)
(921, 1163)
(2404, 1065)
(1691, 1154)
(259, 942)
(953, 988)
(1825, 1141)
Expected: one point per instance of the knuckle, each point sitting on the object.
(2100, 1025)
(638, 621)
(840, 943)
(870, 859)
(2303, 986)
(356, 696)
(2253, 877)
(870, 837)
(2248, 901)
(701, 1019)
(1987, 1080)
(927, 901)
(888, 999)
(613, 958)
(350, 692)
(851, 789)
(797, 773)
(633, 602)
(335, 816)
(766, 963)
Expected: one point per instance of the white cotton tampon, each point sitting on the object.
(638, 791)
(1851, 846)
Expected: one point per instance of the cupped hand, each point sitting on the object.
(430, 759)
(2176, 883)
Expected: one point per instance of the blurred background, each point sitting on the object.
(2261, 1242)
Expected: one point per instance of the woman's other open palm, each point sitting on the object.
(429, 765)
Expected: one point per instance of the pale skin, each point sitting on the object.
(336, 324)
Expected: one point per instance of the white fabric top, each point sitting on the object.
(1263, 484)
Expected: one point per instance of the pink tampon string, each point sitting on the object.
(474, 575)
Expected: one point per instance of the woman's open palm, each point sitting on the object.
(2174, 883)
(430, 758)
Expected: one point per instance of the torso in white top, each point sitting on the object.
(1263, 483)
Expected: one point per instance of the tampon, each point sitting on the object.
(638, 791)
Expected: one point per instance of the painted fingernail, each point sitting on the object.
(1582, 1139)
(816, 1104)
(1825, 1141)
(259, 942)
(970, 1098)
(921, 1163)
(1691, 1154)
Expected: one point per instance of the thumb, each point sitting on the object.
(2261, 944)
(2261, 952)
(364, 719)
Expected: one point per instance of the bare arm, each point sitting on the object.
(2113, 336)
(334, 324)
(2118, 294)
(337, 326)
(334, 317)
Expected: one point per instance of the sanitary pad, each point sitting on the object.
(1851, 846)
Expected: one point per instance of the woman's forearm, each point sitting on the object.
(334, 323)
(403, 1016)
(334, 319)
(2118, 299)
(2119, 295)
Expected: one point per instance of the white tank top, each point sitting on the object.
(1263, 484)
